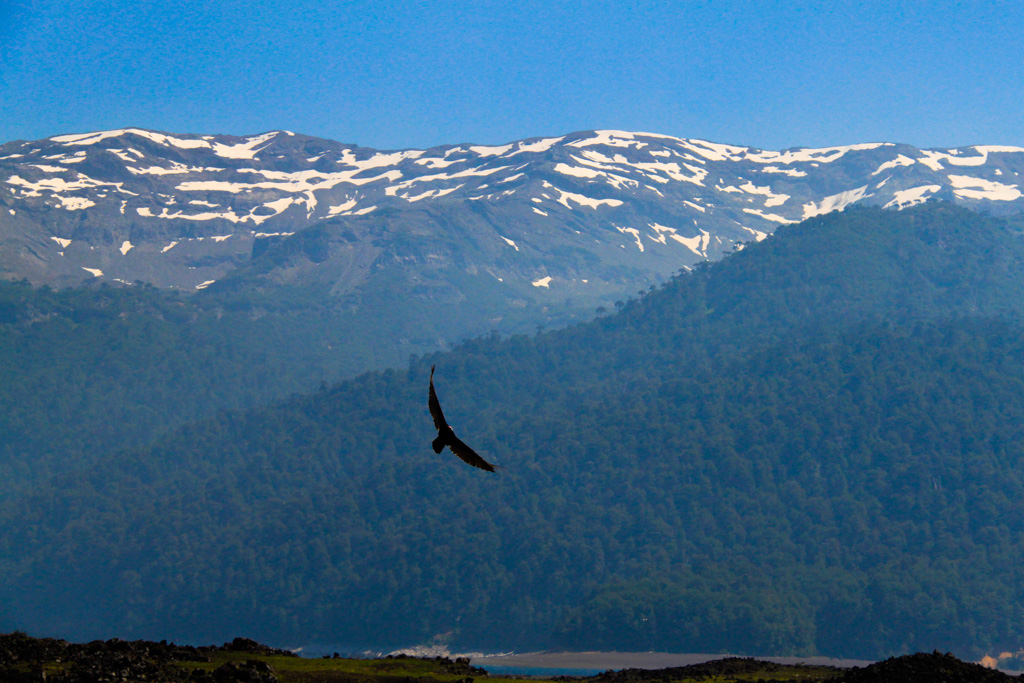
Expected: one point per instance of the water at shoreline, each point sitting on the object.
(564, 663)
(536, 671)
(590, 663)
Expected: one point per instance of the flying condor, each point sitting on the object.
(446, 436)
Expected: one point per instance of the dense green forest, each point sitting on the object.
(814, 445)
(86, 371)
(90, 370)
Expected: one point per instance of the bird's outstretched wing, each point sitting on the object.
(446, 436)
(435, 406)
(467, 454)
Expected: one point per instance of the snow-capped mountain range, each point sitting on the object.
(591, 215)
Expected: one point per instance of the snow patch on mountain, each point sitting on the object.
(698, 244)
(661, 231)
(431, 194)
(228, 215)
(398, 189)
(836, 202)
(485, 151)
(578, 172)
(791, 172)
(656, 170)
(823, 155)
(900, 160)
(713, 151)
(75, 203)
(758, 235)
(175, 168)
(774, 217)
(54, 185)
(613, 179)
(934, 159)
(903, 199)
(565, 197)
(609, 138)
(242, 150)
(341, 208)
(438, 162)
(275, 207)
(537, 146)
(378, 159)
(635, 233)
(979, 188)
(100, 136)
(772, 198)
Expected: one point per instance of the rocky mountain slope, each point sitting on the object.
(581, 219)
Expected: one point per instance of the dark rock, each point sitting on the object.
(460, 666)
(19, 647)
(250, 671)
(729, 666)
(251, 646)
(22, 659)
(925, 668)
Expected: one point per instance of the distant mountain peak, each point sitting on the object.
(638, 206)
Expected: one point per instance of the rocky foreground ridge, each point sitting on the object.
(24, 659)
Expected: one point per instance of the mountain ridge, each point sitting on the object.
(535, 233)
(183, 210)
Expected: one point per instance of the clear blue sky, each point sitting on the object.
(414, 74)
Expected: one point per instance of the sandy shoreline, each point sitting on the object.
(633, 660)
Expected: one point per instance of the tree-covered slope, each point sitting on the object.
(88, 371)
(814, 445)
(91, 370)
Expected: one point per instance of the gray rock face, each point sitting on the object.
(583, 218)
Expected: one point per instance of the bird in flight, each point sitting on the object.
(446, 436)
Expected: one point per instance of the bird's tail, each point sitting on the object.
(438, 443)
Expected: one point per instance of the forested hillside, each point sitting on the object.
(90, 370)
(811, 446)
